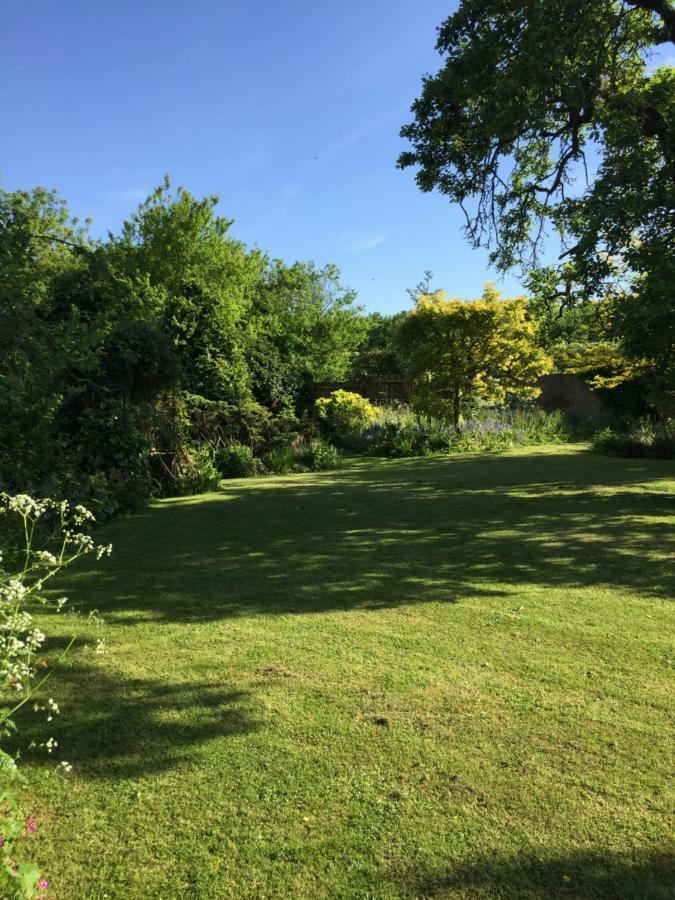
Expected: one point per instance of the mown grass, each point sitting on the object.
(445, 677)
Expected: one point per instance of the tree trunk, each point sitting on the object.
(455, 410)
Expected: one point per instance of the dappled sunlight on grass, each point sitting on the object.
(437, 677)
(362, 536)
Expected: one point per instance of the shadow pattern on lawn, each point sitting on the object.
(379, 535)
(580, 875)
(118, 728)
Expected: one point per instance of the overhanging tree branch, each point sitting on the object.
(663, 8)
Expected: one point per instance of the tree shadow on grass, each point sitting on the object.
(124, 728)
(582, 876)
(377, 535)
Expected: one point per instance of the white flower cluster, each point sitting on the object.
(19, 638)
(59, 528)
(18, 642)
(81, 514)
(25, 505)
(43, 558)
(52, 709)
(12, 591)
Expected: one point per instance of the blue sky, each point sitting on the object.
(289, 111)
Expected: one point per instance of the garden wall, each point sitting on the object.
(568, 393)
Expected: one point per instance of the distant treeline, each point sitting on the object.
(120, 357)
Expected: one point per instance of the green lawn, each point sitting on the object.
(443, 677)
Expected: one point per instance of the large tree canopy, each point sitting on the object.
(305, 326)
(118, 355)
(545, 116)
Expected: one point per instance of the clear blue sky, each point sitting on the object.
(289, 111)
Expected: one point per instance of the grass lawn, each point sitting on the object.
(443, 677)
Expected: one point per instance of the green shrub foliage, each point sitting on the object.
(237, 461)
(641, 440)
(279, 461)
(344, 415)
(128, 365)
(323, 456)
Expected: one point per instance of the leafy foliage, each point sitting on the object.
(640, 440)
(378, 353)
(344, 415)
(323, 456)
(305, 329)
(530, 98)
(460, 351)
(236, 461)
(126, 365)
(280, 461)
(404, 434)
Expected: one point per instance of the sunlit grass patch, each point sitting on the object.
(436, 677)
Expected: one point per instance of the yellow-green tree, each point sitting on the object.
(458, 351)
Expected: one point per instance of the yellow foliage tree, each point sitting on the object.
(459, 350)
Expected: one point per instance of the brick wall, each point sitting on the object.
(564, 392)
(569, 394)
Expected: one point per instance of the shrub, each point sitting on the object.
(487, 436)
(642, 439)
(120, 491)
(199, 472)
(222, 424)
(344, 416)
(279, 461)
(236, 461)
(664, 447)
(407, 440)
(529, 424)
(323, 456)
(281, 432)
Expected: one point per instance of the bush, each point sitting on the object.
(236, 461)
(250, 424)
(323, 456)
(344, 416)
(199, 473)
(664, 447)
(407, 440)
(118, 491)
(530, 424)
(641, 440)
(279, 461)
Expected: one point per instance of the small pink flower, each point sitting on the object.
(43, 884)
(31, 825)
